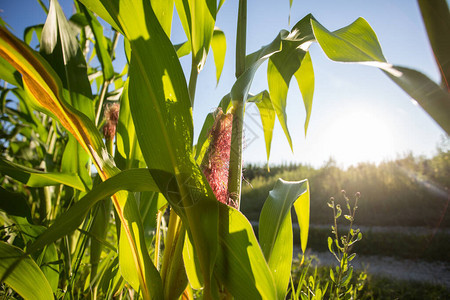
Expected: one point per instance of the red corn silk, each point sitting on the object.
(215, 164)
(111, 119)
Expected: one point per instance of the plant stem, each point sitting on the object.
(193, 81)
(241, 38)
(173, 232)
(103, 91)
(235, 169)
(158, 236)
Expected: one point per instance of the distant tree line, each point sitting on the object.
(409, 191)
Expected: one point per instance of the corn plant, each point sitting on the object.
(94, 157)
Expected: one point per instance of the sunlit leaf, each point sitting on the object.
(28, 33)
(358, 43)
(275, 229)
(431, 97)
(35, 178)
(301, 207)
(436, 16)
(219, 47)
(267, 113)
(101, 45)
(133, 180)
(161, 110)
(25, 278)
(9, 73)
(240, 265)
(183, 49)
(305, 81)
(198, 19)
(164, 11)
(128, 153)
(46, 90)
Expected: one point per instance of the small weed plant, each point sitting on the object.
(340, 247)
(339, 283)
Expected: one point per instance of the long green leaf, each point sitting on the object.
(132, 180)
(431, 97)
(240, 265)
(267, 113)
(9, 73)
(161, 111)
(436, 16)
(101, 45)
(285, 64)
(128, 152)
(164, 11)
(198, 19)
(305, 81)
(275, 229)
(46, 91)
(28, 33)
(219, 47)
(25, 278)
(35, 178)
(358, 43)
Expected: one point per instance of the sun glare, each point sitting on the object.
(360, 136)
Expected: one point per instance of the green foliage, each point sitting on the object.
(57, 229)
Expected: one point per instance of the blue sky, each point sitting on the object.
(358, 113)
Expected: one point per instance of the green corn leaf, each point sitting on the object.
(47, 258)
(60, 48)
(24, 276)
(26, 107)
(305, 81)
(101, 45)
(436, 16)
(28, 33)
(253, 61)
(161, 110)
(430, 96)
(164, 11)
(280, 69)
(99, 230)
(301, 207)
(14, 204)
(183, 49)
(173, 272)
(9, 74)
(219, 47)
(275, 229)
(128, 152)
(358, 43)
(240, 264)
(198, 19)
(287, 63)
(46, 91)
(132, 180)
(35, 178)
(267, 113)
(191, 265)
(203, 138)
